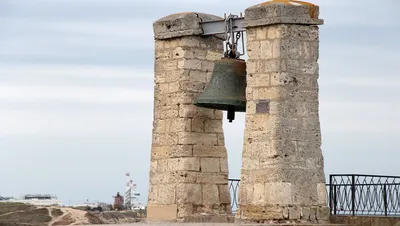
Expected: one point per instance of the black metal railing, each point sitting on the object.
(233, 188)
(354, 194)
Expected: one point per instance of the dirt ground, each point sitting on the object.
(18, 214)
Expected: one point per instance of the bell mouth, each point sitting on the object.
(239, 106)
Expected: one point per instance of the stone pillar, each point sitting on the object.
(282, 177)
(189, 168)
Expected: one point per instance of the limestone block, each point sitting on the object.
(277, 48)
(275, 65)
(165, 112)
(278, 193)
(180, 151)
(307, 67)
(159, 152)
(274, 32)
(251, 35)
(190, 42)
(257, 122)
(178, 125)
(254, 66)
(197, 76)
(250, 163)
(180, 52)
(209, 151)
(261, 33)
(292, 66)
(189, 193)
(207, 66)
(213, 126)
(285, 212)
(321, 190)
(176, 75)
(161, 212)
(213, 55)
(258, 80)
(197, 138)
(299, 32)
(283, 146)
(257, 150)
(172, 43)
(159, 126)
(153, 193)
(158, 177)
(211, 178)
(191, 111)
(311, 123)
(158, 45)
(162, 165)
(174, 87)
(221, 139)
(324, 213)
(190, 164)
(303, 95)
(153, 166)
(210, 194)
(253, 49)
(313, 214)
(282, 78)
(189, 64)
(294, 212)
(224, 165)
(270, 93)
(163, 55)
(250, 107)
(266, 48)
(181, 24)
(176, 99)
(257, 136)
(275, 13)
(166, 194)
(168, 65)
(165, 139)
(259, 194)
(224, 194)
(198, 125)
(184, 164)
(200, 53)
(185, 210)
(210, 165)
(305, 213)
(178, 177)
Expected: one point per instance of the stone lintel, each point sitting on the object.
(269, 13)
(181, 24)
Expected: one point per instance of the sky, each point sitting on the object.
(76, 92)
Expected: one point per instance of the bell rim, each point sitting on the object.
(240, 106)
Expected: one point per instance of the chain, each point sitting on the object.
(231, 48)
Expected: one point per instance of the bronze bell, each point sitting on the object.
(227, 88)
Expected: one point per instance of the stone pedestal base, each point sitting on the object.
(278, 214)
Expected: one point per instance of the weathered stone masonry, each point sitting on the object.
(282, 175)
(189, 168)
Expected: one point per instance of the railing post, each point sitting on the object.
(335, 200)
(330, 193)
(353, 194)
(385, 201)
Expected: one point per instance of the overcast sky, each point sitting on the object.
(76, 91)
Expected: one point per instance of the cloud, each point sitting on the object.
(80, 94)
(76, 123)
(360, 117)
(55, 71)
